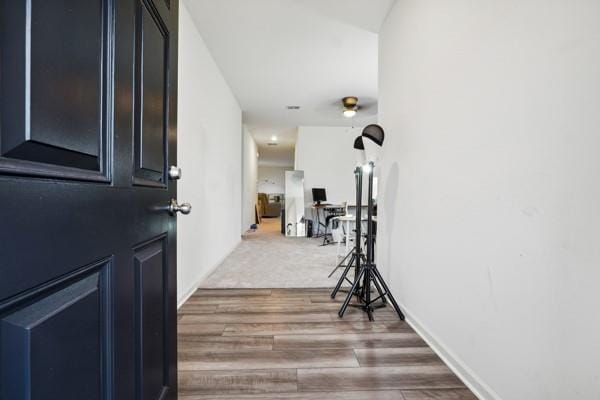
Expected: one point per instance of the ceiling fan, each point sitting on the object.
(351, 106)
(356, 107)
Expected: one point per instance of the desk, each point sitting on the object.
(363, 207)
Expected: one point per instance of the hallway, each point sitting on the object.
(290, 344)
(267, 259)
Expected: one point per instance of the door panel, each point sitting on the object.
(151, 97)
(83, 113)
(151, 304)
(44, 335)
(54, 89)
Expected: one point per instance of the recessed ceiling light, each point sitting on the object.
(293, 107)
(273, 138)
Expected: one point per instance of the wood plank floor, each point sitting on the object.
(268, 344)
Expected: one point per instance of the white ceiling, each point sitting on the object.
(310, 53)
(280, 155)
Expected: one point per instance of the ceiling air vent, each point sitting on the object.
(271, 144)
(293, 107)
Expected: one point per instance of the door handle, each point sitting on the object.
(184, 208)
(174, 172)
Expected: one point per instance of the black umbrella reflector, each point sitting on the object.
(359, 151)
(358, 143)
(375, 133)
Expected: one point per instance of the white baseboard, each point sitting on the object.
(470, 379)
(205, 275)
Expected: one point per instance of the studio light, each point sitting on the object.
(375, 133)
(373, 141)
(359, 151)
(366, 168)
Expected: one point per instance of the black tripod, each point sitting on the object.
(356, 254)
(367, 274)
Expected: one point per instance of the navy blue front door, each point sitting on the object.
(87, 247)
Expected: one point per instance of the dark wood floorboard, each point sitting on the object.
(264, 317)
(278, 307)
(382, 378)
(267, 359)
(194, 308)
(443, 394)
(193, 329)
(316, 328)
(380, 357)
(237, 300)
(230, 382)
(353, 395)
(231, 292)
(268, 344)
(354, 314)
(365, 340)
(190, 344)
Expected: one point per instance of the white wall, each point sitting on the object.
(326, 156)
(490, 222)
(209, 149)
(272, 179)
(250, 165)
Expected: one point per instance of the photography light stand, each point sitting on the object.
(357, 256)
(356, 253)
(368, 273)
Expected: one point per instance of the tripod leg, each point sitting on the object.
(351, 293)
(376, 282)
(367, 289)
(351, 252)
(333, 271)
(343, 277)
(364, 263)
(389, 294)
(370, 313)
(341, 263)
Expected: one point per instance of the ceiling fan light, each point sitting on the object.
(349, 112)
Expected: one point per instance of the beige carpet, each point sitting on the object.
(267, 259)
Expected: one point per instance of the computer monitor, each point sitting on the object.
(319, 195)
